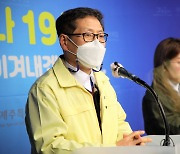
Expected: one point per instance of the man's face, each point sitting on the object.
(88, 24)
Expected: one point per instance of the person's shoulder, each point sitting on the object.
(46, 79)
(148, 97)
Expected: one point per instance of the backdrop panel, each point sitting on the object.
(29, 46)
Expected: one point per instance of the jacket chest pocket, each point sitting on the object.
(76, 110)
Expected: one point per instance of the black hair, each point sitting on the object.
(66, 22)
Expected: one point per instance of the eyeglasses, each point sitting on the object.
(89, 37)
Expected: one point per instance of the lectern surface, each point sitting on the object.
(126, 150)
(150, 148)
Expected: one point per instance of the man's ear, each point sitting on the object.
(63, 41)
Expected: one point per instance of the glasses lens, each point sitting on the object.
(102, 37)
(88, 37)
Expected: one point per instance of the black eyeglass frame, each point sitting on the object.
(97, 36)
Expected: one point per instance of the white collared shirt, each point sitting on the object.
(82, 77)
(175, 86)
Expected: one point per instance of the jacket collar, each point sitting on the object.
(66, 79)
(63, 75)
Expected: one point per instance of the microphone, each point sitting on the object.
(119, 71)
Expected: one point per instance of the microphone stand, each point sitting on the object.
(167, 138)
(134, 78)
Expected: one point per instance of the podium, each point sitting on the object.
(150, 148)
(156, 139)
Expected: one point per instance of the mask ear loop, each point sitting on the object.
(77, 66)
(94, 70)
(77, 63)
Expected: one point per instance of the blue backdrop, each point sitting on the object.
(29, 47)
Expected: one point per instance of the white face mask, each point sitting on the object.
(90, 54)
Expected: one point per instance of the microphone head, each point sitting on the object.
(114, 68)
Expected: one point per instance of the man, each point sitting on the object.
(73, 104)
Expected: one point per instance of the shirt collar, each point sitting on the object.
(82, 77)
(175, 86)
